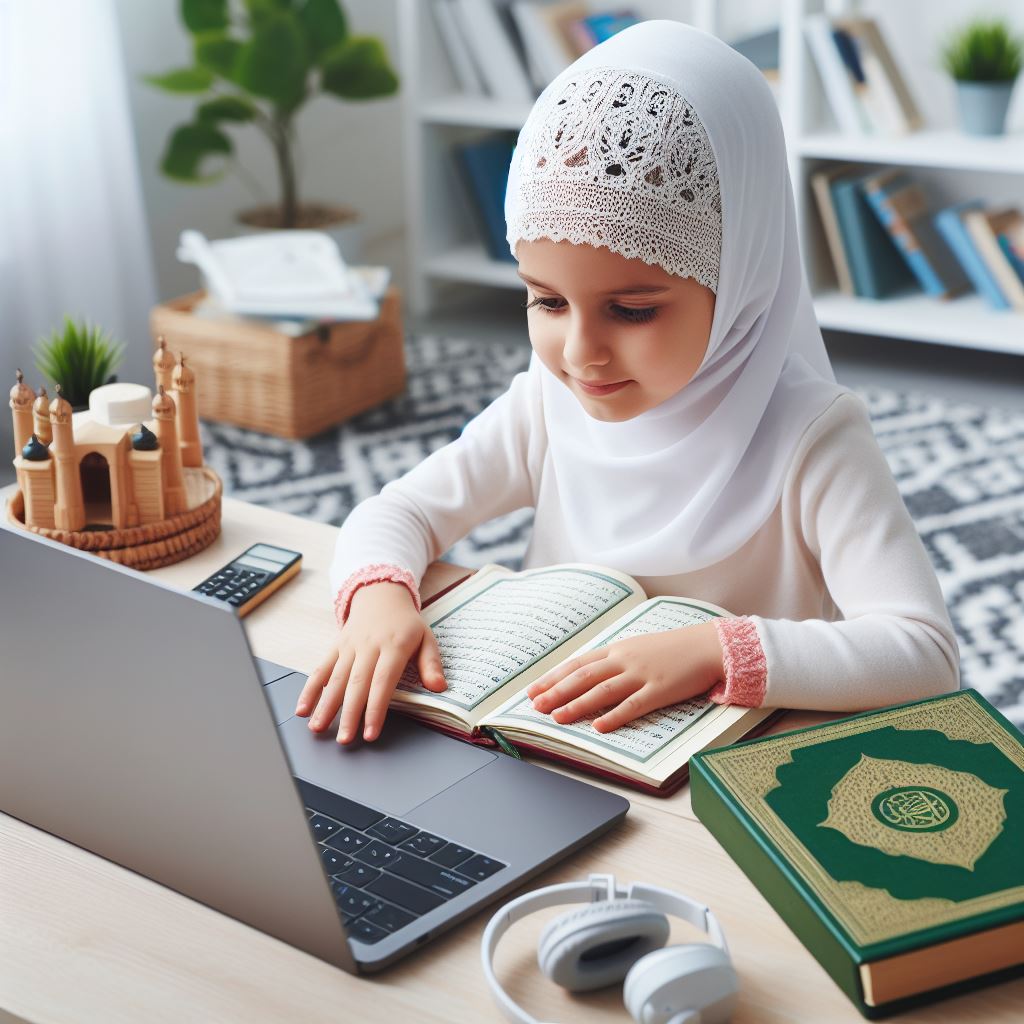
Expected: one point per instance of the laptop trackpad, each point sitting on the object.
(405, 765)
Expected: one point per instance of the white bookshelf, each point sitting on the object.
(444, 252)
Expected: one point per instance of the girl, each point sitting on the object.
(679, 420)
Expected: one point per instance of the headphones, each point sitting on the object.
(622, 934)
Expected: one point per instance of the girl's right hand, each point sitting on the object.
(382, 633)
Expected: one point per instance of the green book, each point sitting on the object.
(890, 842)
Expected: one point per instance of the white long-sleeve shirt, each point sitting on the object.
(837, 582)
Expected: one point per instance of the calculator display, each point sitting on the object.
(274, 554)
(260, 563)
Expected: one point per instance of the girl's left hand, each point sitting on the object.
(636, 675)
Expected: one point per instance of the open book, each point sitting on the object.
(499, 630)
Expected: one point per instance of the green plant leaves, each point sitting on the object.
(79, 358)
(203, 15)
(274, 63)
(358, 69)
(226, 108)
(324, 25)
(983, 51)
(217, 52)
(189, 146)
(185, 80)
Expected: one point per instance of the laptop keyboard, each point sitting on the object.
(385, 872)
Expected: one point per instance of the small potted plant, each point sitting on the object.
(256, 64)
(984, 59)
(79, 358)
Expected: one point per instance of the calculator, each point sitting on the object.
(252, 577)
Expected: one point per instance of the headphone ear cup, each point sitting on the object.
(593, 947)
(696, 977)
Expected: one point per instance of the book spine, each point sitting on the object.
(951, 227)
(775, 880)
(834, 76)
(900, 233)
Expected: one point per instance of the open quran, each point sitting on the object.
(499, 630)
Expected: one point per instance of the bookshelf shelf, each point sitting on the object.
(476, 111)
(472, 264)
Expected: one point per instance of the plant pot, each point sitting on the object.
(342, 223)
(983, 106)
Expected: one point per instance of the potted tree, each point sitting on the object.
(984, 60)
(257, 63)
(80, 358)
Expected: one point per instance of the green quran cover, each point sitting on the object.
(891, 842)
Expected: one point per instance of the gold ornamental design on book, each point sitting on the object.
(916, 810)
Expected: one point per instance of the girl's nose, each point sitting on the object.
(583, 344)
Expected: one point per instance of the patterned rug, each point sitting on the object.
(959, 467)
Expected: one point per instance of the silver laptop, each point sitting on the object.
(136, 723)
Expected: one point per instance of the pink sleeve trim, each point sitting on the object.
(746, 668)
(378, 572)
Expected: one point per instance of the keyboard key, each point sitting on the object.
(452, 855)
(334, 861)
(424, 844)
(480, 867)
(322, 827)
(388, 917)
(391, 830)
(351, 900)
(310, 813)
(365, 932)
(347, 841)
(405, 894)
(441, 880)
(338, 807)
(358, 874)
(379, 854)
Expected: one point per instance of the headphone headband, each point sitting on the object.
(596, 889)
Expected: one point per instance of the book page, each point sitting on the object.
(510, 623)
(642, 743)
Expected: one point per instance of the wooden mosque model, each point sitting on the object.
(124, 478)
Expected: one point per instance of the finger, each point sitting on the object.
(559, 672)
(315, 683)
(634, 706)
(330, 696)
(382, 687)
(582, 680)
(611, 691)
(355, 694)
(429, 664)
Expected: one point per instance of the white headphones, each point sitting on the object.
(622, 934)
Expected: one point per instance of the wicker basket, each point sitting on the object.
(256, 377)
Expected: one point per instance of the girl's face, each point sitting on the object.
(596, 317)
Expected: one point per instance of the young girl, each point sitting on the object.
(679, 420)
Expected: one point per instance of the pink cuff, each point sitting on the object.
(746, 669)
(378, 572)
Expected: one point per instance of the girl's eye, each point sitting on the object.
(627, 313)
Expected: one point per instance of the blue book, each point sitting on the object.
(876, 265)
(1012, 256)
(899, 203)
(949, 222)
(485, 167)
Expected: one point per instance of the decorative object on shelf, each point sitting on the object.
(256, 376)
(81, 357)
(258, 64)
(984, 59)
(107, 481)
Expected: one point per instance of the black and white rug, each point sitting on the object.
(959, 467)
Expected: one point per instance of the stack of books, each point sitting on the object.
(886, 240)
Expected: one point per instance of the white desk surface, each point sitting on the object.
(84, 940)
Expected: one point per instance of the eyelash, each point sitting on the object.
(627, 313)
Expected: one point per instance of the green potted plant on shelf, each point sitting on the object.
(984, 59)
(257, 63)
(78, 357)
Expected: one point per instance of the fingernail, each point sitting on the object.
(369, 734)
(344, 737)
(300, 709)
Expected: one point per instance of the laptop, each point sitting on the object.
(137, 724)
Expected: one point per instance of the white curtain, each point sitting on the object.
(73, 232)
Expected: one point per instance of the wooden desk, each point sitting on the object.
(86, 940)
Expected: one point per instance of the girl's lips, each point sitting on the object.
(605, 389)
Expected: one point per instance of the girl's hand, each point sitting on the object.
(381, 634)
(631, 677)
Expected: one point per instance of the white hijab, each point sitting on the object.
(687, 483)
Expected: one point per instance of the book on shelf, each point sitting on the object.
(888, 841)
(463, 58)
(542, 28)
(902, 208)
(499, 630)
(501, 68)
(821, 182)
(877, 267)
(861, 79)
(585, 33)
(484, 168)
(985, 227)
(950, 224)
